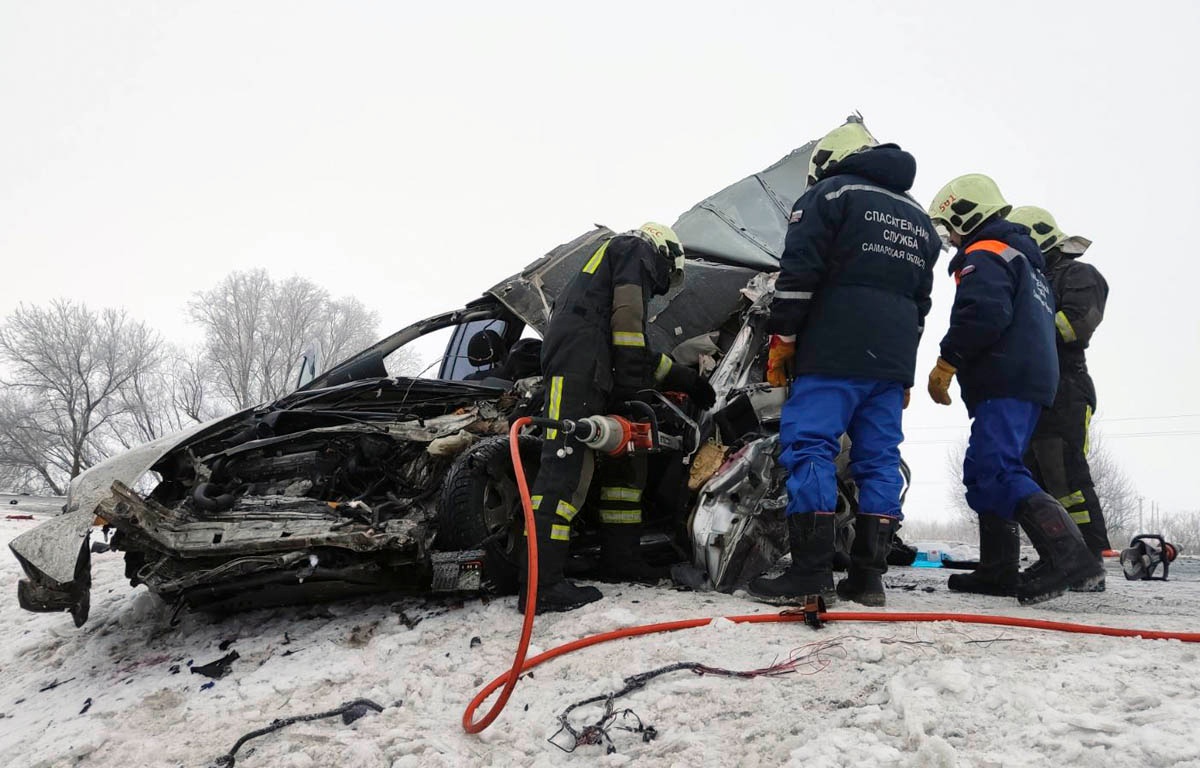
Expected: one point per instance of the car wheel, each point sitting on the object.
(480, 507)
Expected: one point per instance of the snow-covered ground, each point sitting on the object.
(118, 692)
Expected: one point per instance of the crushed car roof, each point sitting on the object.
(745, 223)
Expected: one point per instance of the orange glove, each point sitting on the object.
(907, 398)
(939, 382)
(780, 355)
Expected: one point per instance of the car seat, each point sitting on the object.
(485, 351)
(524, 360)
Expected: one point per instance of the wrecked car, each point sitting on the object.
(367, 479)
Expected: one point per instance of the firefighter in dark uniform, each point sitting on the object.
(1058, 453)
(594, 357)
(1001, 346)
(847, 316)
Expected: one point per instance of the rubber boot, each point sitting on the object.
(621, 556)
(999, 560)
(555, 593)
(868, 560)
(1064, 560)
(811, 571)
(1095, 536)
(1097, 586)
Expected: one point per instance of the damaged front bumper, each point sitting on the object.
(57, 562)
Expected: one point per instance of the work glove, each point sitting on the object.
(939, 382)
(780, 354)
(907, 398)
(685, 379)
(702, 393)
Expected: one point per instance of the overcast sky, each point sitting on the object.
(415, 155)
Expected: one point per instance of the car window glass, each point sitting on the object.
(461, 368)
(421, 357)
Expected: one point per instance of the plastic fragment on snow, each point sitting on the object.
(217, 669)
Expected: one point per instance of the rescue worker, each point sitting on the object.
(594, 357)
(1001, 346)
(1058, 453)
(848, 312)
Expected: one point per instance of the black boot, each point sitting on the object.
(554, 592)
(868, 560)
(811, 572)
(999, 560)
(1098, 585)
(1064, 560)
(1095, 536)
(621, 556)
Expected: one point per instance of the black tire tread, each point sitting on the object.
(460, 519)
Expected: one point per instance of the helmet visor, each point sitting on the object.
(943, 233)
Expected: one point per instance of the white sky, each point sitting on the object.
(414, 156)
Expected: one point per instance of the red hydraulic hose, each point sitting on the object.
(760, 618)
(520, 664)
(510, 678)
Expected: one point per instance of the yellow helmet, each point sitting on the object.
(1042, 226)
(837, 145)
(668, 244)
(966, 202)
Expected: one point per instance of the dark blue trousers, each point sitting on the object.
(819, 410)
(993, 469)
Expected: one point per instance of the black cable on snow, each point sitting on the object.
(350, 711)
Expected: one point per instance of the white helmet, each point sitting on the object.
(966, 202)
(837, 145)
(1042, 226)
(668, 245)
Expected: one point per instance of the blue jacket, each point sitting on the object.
(857, 270)
(1001, 336)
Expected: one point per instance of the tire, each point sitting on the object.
(480, 507)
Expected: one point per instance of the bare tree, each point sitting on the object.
(68, 366)
(164, 399)
(25, 451)
(1183, 530)
(348, 328)
(256, 330)
(190, 395)
(1118, 496)
(233, 316)
(957, 497)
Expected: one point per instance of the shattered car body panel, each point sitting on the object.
(737, 528)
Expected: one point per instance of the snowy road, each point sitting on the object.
(118, 693)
